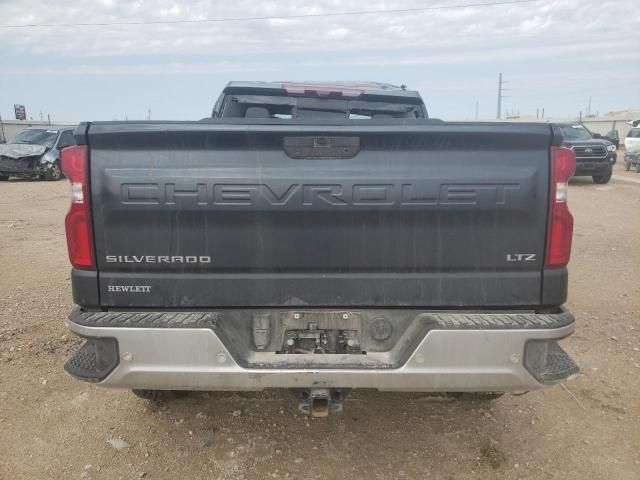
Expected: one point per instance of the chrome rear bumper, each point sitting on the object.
(451, 357)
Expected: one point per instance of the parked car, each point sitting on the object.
(35, 153)
(320, 238)
(595, 156)
(632, 150)
(632, 160)
(632, 140)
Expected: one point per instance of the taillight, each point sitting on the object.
(563, 166)
(74, 162)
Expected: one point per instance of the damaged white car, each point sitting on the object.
(35, 153)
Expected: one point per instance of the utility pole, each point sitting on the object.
(500, 95)
(477, 102)
(149, 114)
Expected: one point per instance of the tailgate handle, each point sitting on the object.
(321, 147)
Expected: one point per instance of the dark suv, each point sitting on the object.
(595, 157)
(35, 152)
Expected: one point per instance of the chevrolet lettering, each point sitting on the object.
(301, 195)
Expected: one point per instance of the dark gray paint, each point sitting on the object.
(363, 239)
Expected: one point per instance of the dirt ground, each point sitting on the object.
(52, 426)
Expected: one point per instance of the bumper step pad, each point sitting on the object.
(145, 319)
(559, 365)
(95, 360)
(436, 321)
(548, 362)
(501, 321)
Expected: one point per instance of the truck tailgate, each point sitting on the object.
(190, 214)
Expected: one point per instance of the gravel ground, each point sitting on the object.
(52, 426)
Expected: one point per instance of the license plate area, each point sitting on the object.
(321, 333)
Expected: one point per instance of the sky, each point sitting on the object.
(554, 54)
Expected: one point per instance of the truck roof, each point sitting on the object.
(364, 88)
(52, 128)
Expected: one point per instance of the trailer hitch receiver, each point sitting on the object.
(319, 402)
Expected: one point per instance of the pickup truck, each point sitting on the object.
(319, 238)
(595, 155)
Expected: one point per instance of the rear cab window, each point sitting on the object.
(284, 107)
(295, 101)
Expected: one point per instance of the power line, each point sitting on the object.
(277, 17)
